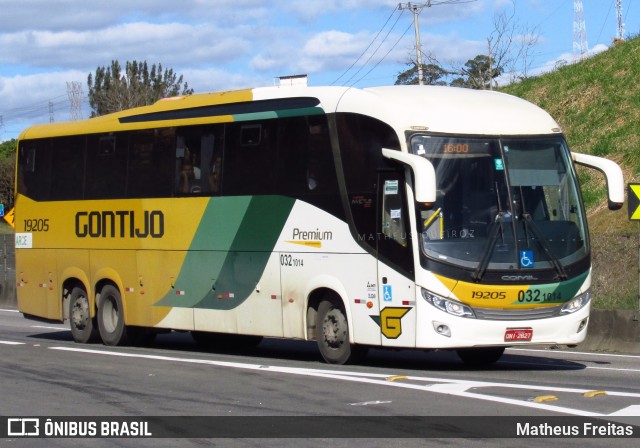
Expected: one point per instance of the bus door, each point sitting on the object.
(396, 285)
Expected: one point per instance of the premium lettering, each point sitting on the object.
(317, 234)
(120, 224)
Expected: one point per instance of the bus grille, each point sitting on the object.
(515, 314)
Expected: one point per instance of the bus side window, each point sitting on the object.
(189, 179)
(393, 221)
(249, 158)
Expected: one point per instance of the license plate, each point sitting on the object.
(518, 334)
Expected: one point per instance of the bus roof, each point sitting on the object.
(433, 108)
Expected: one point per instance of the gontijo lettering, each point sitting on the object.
(120, 224)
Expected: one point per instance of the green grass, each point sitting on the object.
(596, 102)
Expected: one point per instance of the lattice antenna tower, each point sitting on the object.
(74, 91)
(620, 35)
(580, 45)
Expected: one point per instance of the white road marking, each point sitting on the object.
(9, 311)
(51, 328)
(568, 352)
(11, 343)
(367, 403)
(633, 410)
(446, 386)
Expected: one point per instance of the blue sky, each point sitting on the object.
(231, 44)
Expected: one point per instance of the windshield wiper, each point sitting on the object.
(493, 238)
(530, 224)
(488, 248)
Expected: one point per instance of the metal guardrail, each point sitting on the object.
(7, 269)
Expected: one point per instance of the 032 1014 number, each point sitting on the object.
(36, 225)
(288, 260)
(530, 295)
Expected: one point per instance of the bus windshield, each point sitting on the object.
(502, 204)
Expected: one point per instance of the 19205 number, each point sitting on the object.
(36, 225)
(496, 295)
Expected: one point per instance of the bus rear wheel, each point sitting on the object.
(333, 336)
(113, 331)
(480, 356)
(83, 327)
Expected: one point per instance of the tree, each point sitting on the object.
(433, 75)
(7, 172)
(509, 50)
(112, 90)
(510, 45)
(478, 73)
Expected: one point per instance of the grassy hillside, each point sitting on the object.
(597, 104)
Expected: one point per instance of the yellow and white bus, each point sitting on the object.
(406, 217)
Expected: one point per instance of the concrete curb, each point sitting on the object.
(613, 331)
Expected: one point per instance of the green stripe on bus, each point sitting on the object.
(556, 292)
(278, 114)
(223, 266)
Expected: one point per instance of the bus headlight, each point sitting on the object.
(447, 305)
(576, 303)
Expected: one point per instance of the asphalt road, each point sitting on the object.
(44, 373)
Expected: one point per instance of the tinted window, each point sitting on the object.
(34, 169)
(361, 141)
(306, 169)
(198, 160)
(249, 158)
(150, 163)
(107, 165)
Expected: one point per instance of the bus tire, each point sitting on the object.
(83, 327)
(480, 356)
(113, 331)
(333, 336)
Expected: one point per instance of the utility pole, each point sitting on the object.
(416, 10)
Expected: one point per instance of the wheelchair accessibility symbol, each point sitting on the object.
(386, 293)
(526, 259)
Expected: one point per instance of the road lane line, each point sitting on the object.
(51, 328)
(567, 352)
(443, 386)
(12, 343)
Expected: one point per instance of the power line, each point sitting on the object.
(374, 51)
(367, 49)
(387, 54)
(605, 21)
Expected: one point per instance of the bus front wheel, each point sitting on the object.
(333, 336)
(83, 327)
(113, 331)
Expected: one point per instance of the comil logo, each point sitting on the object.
(23, 427)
